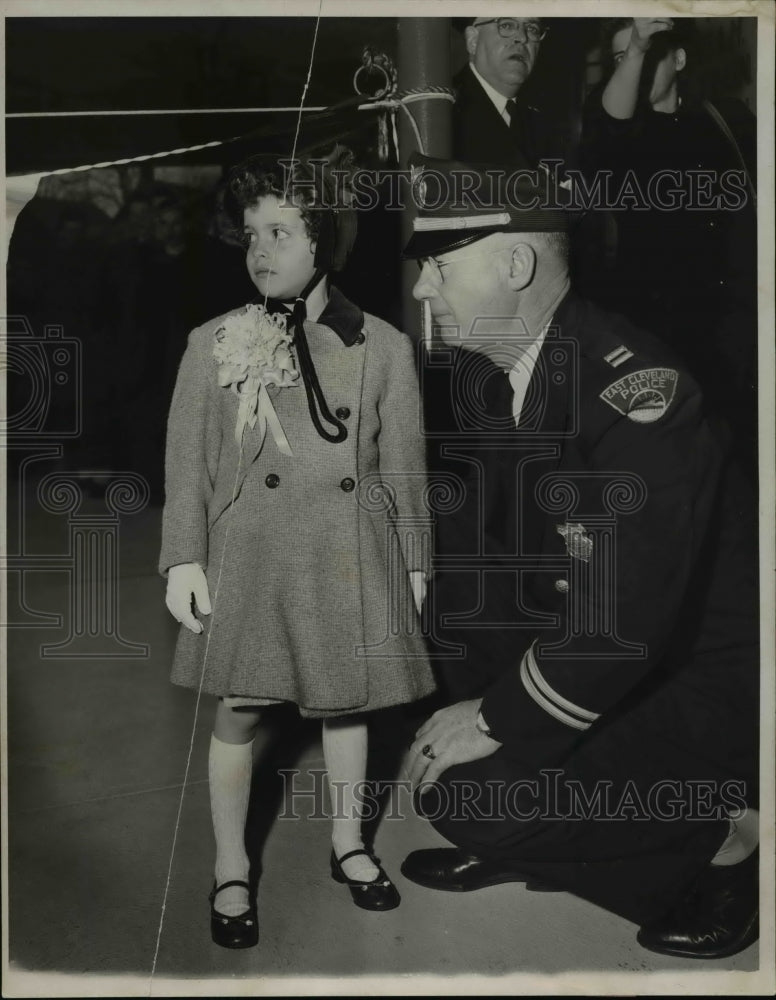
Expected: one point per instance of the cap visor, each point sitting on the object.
(426, 244)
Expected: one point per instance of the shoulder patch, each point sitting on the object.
(643, 396)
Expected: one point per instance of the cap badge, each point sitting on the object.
(418, 184)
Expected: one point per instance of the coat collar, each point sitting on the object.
(339, 314)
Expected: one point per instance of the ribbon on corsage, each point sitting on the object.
(252, 349)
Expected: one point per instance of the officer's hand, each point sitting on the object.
(186, 583)
(645, 27)
(452, 736)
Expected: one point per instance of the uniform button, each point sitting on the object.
(342, 413)
(360, 338)
(272, 480)
(348, 485)
(562, 586)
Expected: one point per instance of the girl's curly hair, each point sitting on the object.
(309, 185)
(256, 178)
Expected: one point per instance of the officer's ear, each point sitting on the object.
(680, 59)
(470, 34)
(522, 266)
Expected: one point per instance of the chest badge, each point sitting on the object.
(579, 545)
(643, 396)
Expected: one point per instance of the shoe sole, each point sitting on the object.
(746, 940)
(531, 886)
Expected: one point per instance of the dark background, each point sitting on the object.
(131, 64)
(73, 259)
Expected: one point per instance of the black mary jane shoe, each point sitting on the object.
(379, 894)
(241, 931)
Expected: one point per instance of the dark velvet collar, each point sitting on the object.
(339, 313)
(344, 318)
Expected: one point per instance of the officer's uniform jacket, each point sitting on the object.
(594, 550)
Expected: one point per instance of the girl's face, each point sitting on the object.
(280, 254)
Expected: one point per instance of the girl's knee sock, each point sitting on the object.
(344, 751)
(230, 766)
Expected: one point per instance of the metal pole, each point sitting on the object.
(424, 60)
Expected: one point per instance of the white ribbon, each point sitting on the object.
(255, 404)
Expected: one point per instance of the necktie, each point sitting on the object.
(514, 116)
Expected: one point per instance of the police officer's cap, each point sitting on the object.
(458, 203)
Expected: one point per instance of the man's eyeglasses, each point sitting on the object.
(437, 265)
(508, 27)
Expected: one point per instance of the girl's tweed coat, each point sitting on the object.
(306, 560)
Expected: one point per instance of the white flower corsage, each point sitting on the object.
(252, 349)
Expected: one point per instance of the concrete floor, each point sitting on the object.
(97, 754)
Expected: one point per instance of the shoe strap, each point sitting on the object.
(227, 885)
(353, 854)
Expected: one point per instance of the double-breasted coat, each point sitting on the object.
(307, 557)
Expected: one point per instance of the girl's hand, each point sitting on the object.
(187, 586)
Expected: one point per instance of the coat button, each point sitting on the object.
(348, 485)
(272, 480)
(342, 413)
(562, 586)
(360, 338)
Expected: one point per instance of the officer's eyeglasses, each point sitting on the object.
(437, 265)
(508, 27)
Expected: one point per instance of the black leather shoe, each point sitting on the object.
(716, 917)
(454, 870)
(379, 894)
(241, 931)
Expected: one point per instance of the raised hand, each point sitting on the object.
(645, 27)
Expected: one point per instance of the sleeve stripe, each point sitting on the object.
(554, 704)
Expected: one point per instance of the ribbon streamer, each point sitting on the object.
(256, 406)
(268, 417)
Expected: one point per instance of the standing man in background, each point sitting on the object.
(490, 120)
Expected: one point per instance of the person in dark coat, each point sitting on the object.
(491, 123)
(595, 599)
(686, 258)
(294, 467)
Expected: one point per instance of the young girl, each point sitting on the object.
(294, 521)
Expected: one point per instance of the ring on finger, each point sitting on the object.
(428, 751)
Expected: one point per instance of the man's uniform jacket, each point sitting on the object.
(596, 585)
(599, 556)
